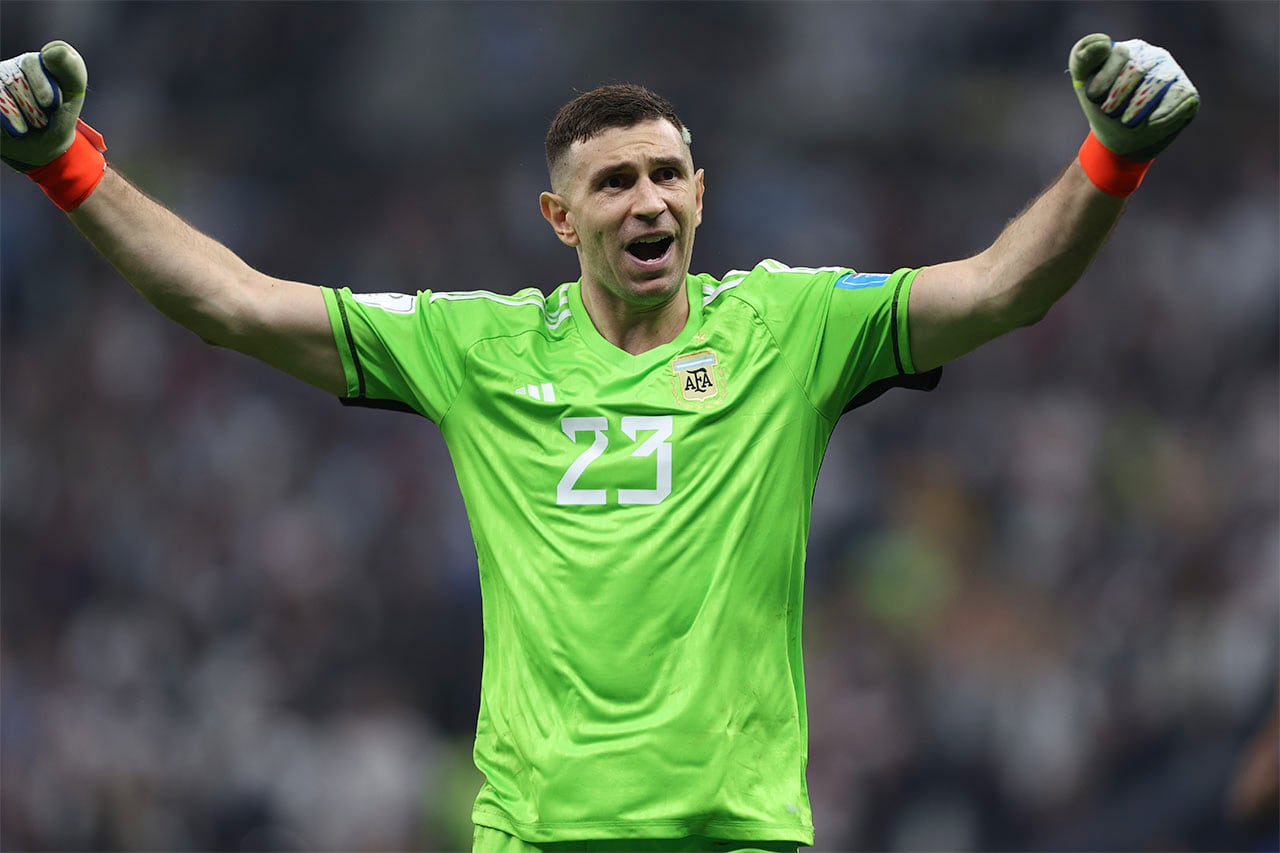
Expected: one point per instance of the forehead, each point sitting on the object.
(657, 139)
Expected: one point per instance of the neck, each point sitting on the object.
(636, 328)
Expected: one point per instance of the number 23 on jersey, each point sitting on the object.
(650, 436)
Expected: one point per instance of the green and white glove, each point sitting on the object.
(41, 132)
(1135, 95)
(40, 99)
(1137, 99)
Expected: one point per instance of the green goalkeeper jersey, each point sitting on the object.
(640, 523)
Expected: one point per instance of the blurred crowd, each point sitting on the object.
(1043, 600)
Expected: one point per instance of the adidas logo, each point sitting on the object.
(543, 392)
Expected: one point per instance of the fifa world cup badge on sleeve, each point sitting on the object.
(697, 377)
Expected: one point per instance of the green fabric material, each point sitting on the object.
(640, 524)
(489, 840)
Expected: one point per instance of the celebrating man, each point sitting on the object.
(638, 449)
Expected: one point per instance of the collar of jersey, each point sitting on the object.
(615, 355)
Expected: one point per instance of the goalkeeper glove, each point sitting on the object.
(1137, 99)
(41, 132)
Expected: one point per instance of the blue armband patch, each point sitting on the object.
(859, 280)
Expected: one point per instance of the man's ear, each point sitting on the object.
(557, 213)
(699, 179)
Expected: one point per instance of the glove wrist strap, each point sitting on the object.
(73, 175)
(1114, 175)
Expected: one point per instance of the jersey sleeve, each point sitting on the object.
(843, 333)
(397, 351)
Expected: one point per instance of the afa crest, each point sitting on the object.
(697, 377)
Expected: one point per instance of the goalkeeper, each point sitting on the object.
(638, 448)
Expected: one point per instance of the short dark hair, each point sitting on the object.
(614, 105)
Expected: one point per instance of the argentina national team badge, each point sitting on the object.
(697, 377)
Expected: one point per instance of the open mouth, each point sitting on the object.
(650, 249)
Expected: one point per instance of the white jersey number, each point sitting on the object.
(658, 444)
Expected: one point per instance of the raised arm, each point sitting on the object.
(1137, 99)
(187, 275)
(198, 282)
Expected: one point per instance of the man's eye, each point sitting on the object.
(614, 182)
(667, 174)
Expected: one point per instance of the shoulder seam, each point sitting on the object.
(804, 392)
(561, 314)
(466, 363)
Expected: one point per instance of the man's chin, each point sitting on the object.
(656, 290)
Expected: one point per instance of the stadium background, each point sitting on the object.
(1043, 600)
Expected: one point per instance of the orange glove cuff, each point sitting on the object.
(1111, 173)
(70, 178)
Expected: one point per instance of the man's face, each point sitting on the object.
(629, 200)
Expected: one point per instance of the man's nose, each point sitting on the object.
(648, 202)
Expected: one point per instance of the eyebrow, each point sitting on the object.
(657, 163)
